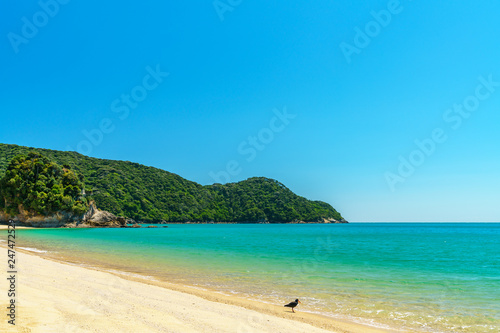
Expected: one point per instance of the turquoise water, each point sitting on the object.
(426, 277)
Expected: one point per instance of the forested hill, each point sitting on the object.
(150, 194)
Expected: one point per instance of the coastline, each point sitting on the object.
(6, 226)
(55, 295)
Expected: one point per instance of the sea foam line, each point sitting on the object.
(130, 274)
(32, 249)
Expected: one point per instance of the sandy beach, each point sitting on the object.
(5, 227)
(60, 297)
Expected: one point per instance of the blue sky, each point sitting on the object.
(387, 110)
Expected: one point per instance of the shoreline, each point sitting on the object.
(5, 225)
(257, 316)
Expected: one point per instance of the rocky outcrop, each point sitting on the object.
(60, 219)
(100, 218)
(93, 218)
(130, 221)
(331, 220)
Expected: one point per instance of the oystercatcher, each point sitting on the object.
(293, 304)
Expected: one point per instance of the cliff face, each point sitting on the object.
(93, 218)
(57, 220)
(331, 220)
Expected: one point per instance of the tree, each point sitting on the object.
(35, 185)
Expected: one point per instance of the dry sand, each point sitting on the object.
(61, 297)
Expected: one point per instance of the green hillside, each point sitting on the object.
(36, 186)
(150, 194)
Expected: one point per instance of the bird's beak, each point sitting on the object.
(300, 302)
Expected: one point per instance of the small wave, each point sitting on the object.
(130, 274)
(32, 249)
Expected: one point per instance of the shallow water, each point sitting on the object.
(429, 277)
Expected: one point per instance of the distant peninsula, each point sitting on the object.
(43, 187)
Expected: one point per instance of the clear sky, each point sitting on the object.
(387, 110)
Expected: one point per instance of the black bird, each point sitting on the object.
(293, 304)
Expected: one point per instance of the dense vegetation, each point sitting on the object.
(150, 194)
(34, 185)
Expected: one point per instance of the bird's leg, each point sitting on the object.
(293, 311)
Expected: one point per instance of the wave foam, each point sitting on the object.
(32, 249)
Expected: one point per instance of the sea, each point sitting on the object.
(424, 277)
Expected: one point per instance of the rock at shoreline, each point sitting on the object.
(56, 220)
(93, 218)
(331, 220)
(100, 218)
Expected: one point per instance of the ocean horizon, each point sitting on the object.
(432, 277)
